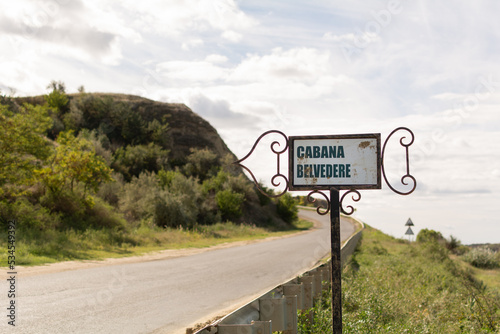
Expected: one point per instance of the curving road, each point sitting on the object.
(163, 296)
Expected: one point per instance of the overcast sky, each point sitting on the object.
(302, 67)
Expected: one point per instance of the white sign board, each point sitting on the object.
(338, 161)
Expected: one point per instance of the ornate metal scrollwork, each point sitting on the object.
(356, 196)
(407, 175)
(311, 199)
(274, 180)
(355, 199)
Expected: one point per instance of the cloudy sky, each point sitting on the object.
(302, 67)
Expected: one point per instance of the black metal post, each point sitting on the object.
(336, 261)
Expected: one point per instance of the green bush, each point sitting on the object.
(201, 163)
(216, 183)
(482, 257)
(58, 100)
(230, 204)
(287, 208)
(242, 185)
(133, 160)
(263, 199)
(78, 212)
(171, 211)
(89, 110)
(165, 178)
(169, 199)
(179, 202)
(138, 195)
(102, 215)
(28, 215)
(427, 235)
(110, 191)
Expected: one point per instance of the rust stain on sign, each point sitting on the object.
(364, 144)
(307, 170)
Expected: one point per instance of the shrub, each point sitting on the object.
(180, 193)
(287, 208)
(100, 142)
(57, 99)
(242, 185)
(427, 235)
(89, 110)
(102, 215)
(137, 197)
(216, 183)
(455, 246)
(201, 163)
(133, 160)
(263, 199)
(28, 215)
(165, 178)
(170, 199)
(230, 203)
(171, 211)
(482, 257)
(110, 191)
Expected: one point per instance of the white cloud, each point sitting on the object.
(358, 40)
(177, 18)
(216, 59)
(192, 43)
(232, 36)
(191, 72)
(69, 29)
(294, 64)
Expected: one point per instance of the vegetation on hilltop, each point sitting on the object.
(76, 165)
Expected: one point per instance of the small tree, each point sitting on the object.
(23, 146)
(57, 99)
(74, 161)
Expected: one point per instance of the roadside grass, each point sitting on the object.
(393, 286)
(490, 277)
(36, 247)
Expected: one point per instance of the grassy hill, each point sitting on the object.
(428, 286)
(81, 173)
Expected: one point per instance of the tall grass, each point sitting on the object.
(391, 286)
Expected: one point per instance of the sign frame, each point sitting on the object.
(327, 186)
(334, 203)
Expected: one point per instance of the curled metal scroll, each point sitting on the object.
(275, 179)
(407, 175)
(311, 199)
(349, 207)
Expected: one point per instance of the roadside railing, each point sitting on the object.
(277, 309)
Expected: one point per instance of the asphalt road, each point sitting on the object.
(163, 296)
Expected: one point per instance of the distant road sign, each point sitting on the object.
(409, 222)
(339, 161)
(409, 231)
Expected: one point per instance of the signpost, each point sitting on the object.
(333, 163)
(409, 231)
